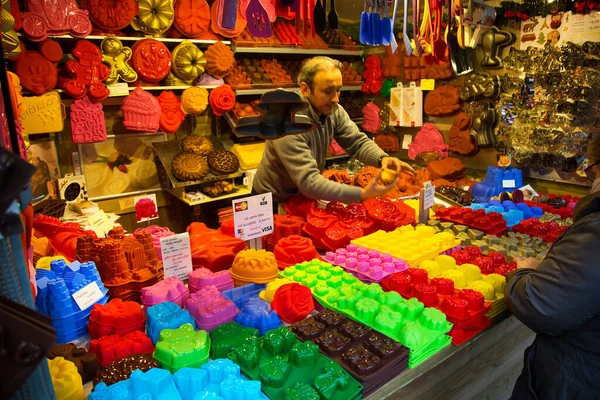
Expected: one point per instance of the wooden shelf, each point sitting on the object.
(240, 191)
(295, 50)
(137, 38)
(247, 92)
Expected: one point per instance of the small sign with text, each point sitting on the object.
(177, 255)
(253, 216)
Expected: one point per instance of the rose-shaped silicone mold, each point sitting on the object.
(293, 250)
(293, 302)
(222, 99)
(272, 287)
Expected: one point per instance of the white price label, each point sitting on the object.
(87, 296)
(406, 140)
(509, 183)
(118, 89)
(253, 216)
(177, 255)
(429, 197)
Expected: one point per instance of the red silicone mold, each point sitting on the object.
(87, 121)
(118, 317)
(428, 139)
(293, 302)
(293, 250)
(389, 215)
(491, 223)
(548, 231)
(492, 263)
(211, 249)
(221, 99)
(88, 72)
(151, 60)
(284, 226)
(299, 206)
(115, 347)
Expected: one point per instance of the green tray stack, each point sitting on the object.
(421, 329)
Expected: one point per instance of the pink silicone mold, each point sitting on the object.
(157, 232)
(428, 139)
(210, 309)
(87, 121)
(372, 121)
(171, 289)
(366, 265)
(203, 277)
(141, 111)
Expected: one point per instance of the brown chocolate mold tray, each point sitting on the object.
(87, 364)
(369, 356)
(121, 369)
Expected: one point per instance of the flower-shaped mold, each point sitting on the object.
(285, 226)
(210, 309)
(387, 313)
(280, 362)
(370, 357)
(229, 336)
(166, 316)
(293, 302)
(367, 265)
(157, 232)
(182, 347)
(203, 277)
(154, 17)
(272, 287)
(413, 245)
(194, 100)
(492, 263)
(242, 294)
(257, 313)
(491, 223)
(171, 289)
(118, 317)
(219, 60)
(388, 215)
(111, 348)
(87, 364)
(65, 379)
(428, 139)
(141, 111)
(254, 266)
(121, 369)
(188, 61)
(55, 296)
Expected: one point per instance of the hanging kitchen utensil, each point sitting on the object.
(425, 33)
(416, 16)
(333, 17)
(440, 48)
(386, 26)
(298, 10)
(459, 58)
(285, 9)
(312, 18)
(228, 13)
(221, 9)
(325, 8)
(407, 44)
(319, 17)
(259, 24)
(376, 25)
(460, 13)
(365, 24)
(393, 43)
(305, 16)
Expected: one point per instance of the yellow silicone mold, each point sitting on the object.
(254, 266)
(44, 262)
(269, 292)
(66, 380)
(414, 245)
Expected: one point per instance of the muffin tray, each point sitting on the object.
(491, 223)
(369, 356)
(290, 369)
(367, 265)
(410, 244)
(422, 330)
(167, 150)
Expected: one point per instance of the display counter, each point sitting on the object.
(486, 367)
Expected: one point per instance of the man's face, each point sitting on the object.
(326, 91)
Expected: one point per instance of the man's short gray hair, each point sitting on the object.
(311, 66)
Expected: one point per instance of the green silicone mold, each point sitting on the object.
(290, 369)
(182, 347)
(229, 336)
(421, 329)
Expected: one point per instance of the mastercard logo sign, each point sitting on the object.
(241, 206)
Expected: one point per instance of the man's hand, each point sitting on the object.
(528, 262)
(374, 189)
(396, 165)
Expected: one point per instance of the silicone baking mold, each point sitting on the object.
(254, 266)
(121, 369)
(229, 336)
(157, 232)
(492, 263)
(422, 330)
(281, 362)
(87, 121)
(203, 277)
(182, 347)
(211, 249)
(171, 289)
(293, 302)
(272, 287)
(87, 364)
(65, 379)
(511, 212)
(257, 313)
(548, 231)
(241, 295)
(141, 111)
(491, 223)
(370, 357)
(111, 348)
(166, 316)
(367, 265)
(118, 317)
(294, 249)
(210, 309)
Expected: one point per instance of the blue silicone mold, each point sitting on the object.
(258, 314)
(166, 315)
(511, 212)
(241, 294)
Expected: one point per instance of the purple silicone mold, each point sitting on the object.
(171, 289)
(210, 309)
(203, 277)
(366, 265)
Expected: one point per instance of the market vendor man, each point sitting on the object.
(293, 164)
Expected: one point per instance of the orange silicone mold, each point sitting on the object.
(254, 266)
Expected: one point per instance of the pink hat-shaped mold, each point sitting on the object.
(203, 277)
(141, 111)
(210, 309)
(171, 289)
(428, 140)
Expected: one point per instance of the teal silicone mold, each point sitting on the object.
(421, 329)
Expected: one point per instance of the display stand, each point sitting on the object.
(426, 200)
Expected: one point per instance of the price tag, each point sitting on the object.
(427, 84)
(118, 89)
(509, 183)
(429, 198)
(253, 216)
(87, 296)
(406, 140)
(126, 203)
(177, 255)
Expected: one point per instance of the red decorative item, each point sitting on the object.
(293, 250)
(372, 120)
(428, 139)
(115, 347)
(490, 224)
(37, 69)
(299, 206)
(61, 236)
(118, 317)
(284, 226)
(388, 142)
(222, 99)
(392, 63)
(151, 60)
(112, 15)
(340, 234)
(55, 17)
(192, 17)
(211, 249)
(145, 208)
(293, 302)
(389, 215)
(227, 227)
(548, 231)
(493, 263)
(87, 122)
(171, 115)
(372, 75)
(88, 72)
(16, 14)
